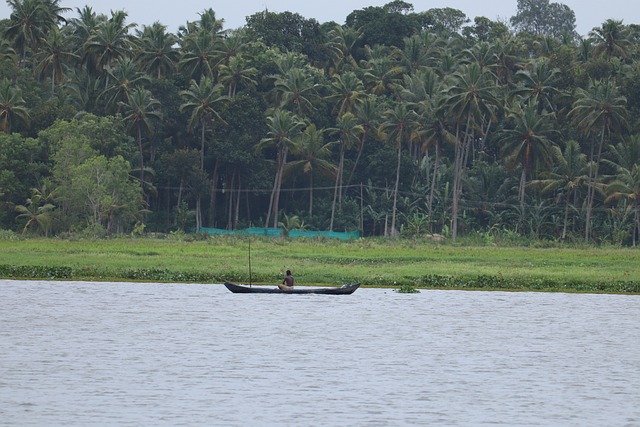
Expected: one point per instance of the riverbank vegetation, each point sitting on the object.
(400, 264)
(399, 122)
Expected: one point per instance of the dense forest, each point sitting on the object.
(397, 122)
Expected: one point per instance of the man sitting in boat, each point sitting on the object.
(288, 282)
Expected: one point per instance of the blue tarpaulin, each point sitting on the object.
(277, 232)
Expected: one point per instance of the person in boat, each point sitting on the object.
(288, 282)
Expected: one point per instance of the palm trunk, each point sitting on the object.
(593, 176)
(335, 191)
(433, 179)
(566, 215)
(394, 232)
(213, 194)
(523, 180)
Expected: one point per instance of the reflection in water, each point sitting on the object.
(77, 353)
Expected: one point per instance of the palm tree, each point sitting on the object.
(347, 91)
(12, 106)
(382, 73)
(295, 90)
(124, 78)
(236, 73)
(349, 132)
(54, 56)
(470, 100)
(566, 177)
(199, 54)
(37, 215)
(140, 110)
(202, 99)
(368, 113)
(110, 42)
(611, 40)
(598, 111)
(528, 143)
(284, 129)
(156, 52)
(538, 83)
(626, 186)
(313, 154)
(398, 126)
(341, 45)
(31, 21)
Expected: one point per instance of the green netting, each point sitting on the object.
(277, 232)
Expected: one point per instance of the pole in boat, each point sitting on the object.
(249, 259)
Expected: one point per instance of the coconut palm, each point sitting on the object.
(54, 57)
(31, 21)
(527, 142)
(348, 132)
(341, 45)
(199, 55)
(566, 178)
(382, 72)
(599, 111)
(347, 91)
(313, 155)
(368, 113)
(470, 100)
(626, 186)
(37, 214)
(203, 100)
(295, 90)
(109, 43)
(124, 78)
(156, 52)
(284, 129)
(398, 127)
(12, 106)
(236, 73)
(538, 82)
(611, 40)
(140, 110)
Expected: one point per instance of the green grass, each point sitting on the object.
(325, 262)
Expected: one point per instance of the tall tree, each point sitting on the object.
(470, 99)
(348, 132)
(540, 17)
(54, 57)
(156, 50)
(528, 142)
(140, 110)
(284, 129)
(110, 42)
(399, 125)
(13, 108)
(611, 40)
(202, 99)
(566, 178)
(312, 155)
(598, 111)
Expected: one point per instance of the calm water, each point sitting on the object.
(91, 354)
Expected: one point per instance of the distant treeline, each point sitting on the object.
(398, 122)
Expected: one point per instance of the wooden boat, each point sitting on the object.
(347, 289)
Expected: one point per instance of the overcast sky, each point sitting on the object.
(589, 13)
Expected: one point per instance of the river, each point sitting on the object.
(134, 354)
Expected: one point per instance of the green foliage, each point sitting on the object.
(407, 289)
(431, 114)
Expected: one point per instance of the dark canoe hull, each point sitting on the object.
(246, 289)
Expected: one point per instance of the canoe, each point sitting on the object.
(347, 289)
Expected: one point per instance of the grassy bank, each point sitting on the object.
(370, 262)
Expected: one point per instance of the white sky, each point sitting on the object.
(589, 13)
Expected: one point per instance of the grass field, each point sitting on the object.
(371, 262)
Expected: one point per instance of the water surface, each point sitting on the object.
(125, 354)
